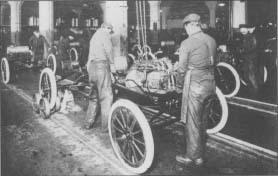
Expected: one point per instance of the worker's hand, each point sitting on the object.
(112, 68)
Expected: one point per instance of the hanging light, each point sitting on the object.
(221, 4)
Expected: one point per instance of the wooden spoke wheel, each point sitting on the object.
(51, 62)
(227, 79)
(48, 87)
(6, 74)
(131, 136)
(218, 113)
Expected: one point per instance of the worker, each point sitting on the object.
(250, 63)
(195, 69)
(99, 66)
(37, 43)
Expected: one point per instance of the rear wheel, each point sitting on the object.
(131, 136)
(227, 79)
(48, 87)
(218, 113)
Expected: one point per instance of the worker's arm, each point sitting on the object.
(183, 57)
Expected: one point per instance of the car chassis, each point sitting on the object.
(134, 113)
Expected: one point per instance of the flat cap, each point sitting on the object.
(191, 17)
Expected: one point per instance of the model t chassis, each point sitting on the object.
(134, 113)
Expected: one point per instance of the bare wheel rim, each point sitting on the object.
(218, 113)
(128, 135)
(131, 136)
(48, 87)
(5, 71)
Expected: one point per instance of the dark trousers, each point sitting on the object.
(197, 113)
(101, 92)
(253, 74)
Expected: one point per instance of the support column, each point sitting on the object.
(46, 20)
(154, 14)
(116, 14)
(2, 14)
(212, 10)
(165, 12)
(15, 21)
(103, 8)
(238, 13)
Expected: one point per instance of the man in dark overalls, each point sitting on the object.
(196, 69)
(250, 63)
(37, 43)
(98, 66)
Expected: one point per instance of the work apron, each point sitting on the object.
(186, 89)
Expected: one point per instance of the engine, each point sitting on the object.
(152, 74)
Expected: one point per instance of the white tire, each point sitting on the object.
(224, 113)
(47, 77)
(265, 74)
(5, 71)
(51, 62)
(138, 121)
(236, 77)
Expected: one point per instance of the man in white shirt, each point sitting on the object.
(98, 66)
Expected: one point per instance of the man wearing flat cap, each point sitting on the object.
(98, 66)
(196, 71)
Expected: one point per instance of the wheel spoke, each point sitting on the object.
(133, 124)
(128, 151)
(134, 153)
(136, 132)
(122, 138)
(116, 128)
(138, 149)
(122, 117)
(140, 142)
(119, 122)
(124, 146)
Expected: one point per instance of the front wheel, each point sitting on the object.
(218, 113)
(48, 87)
(131, 136)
